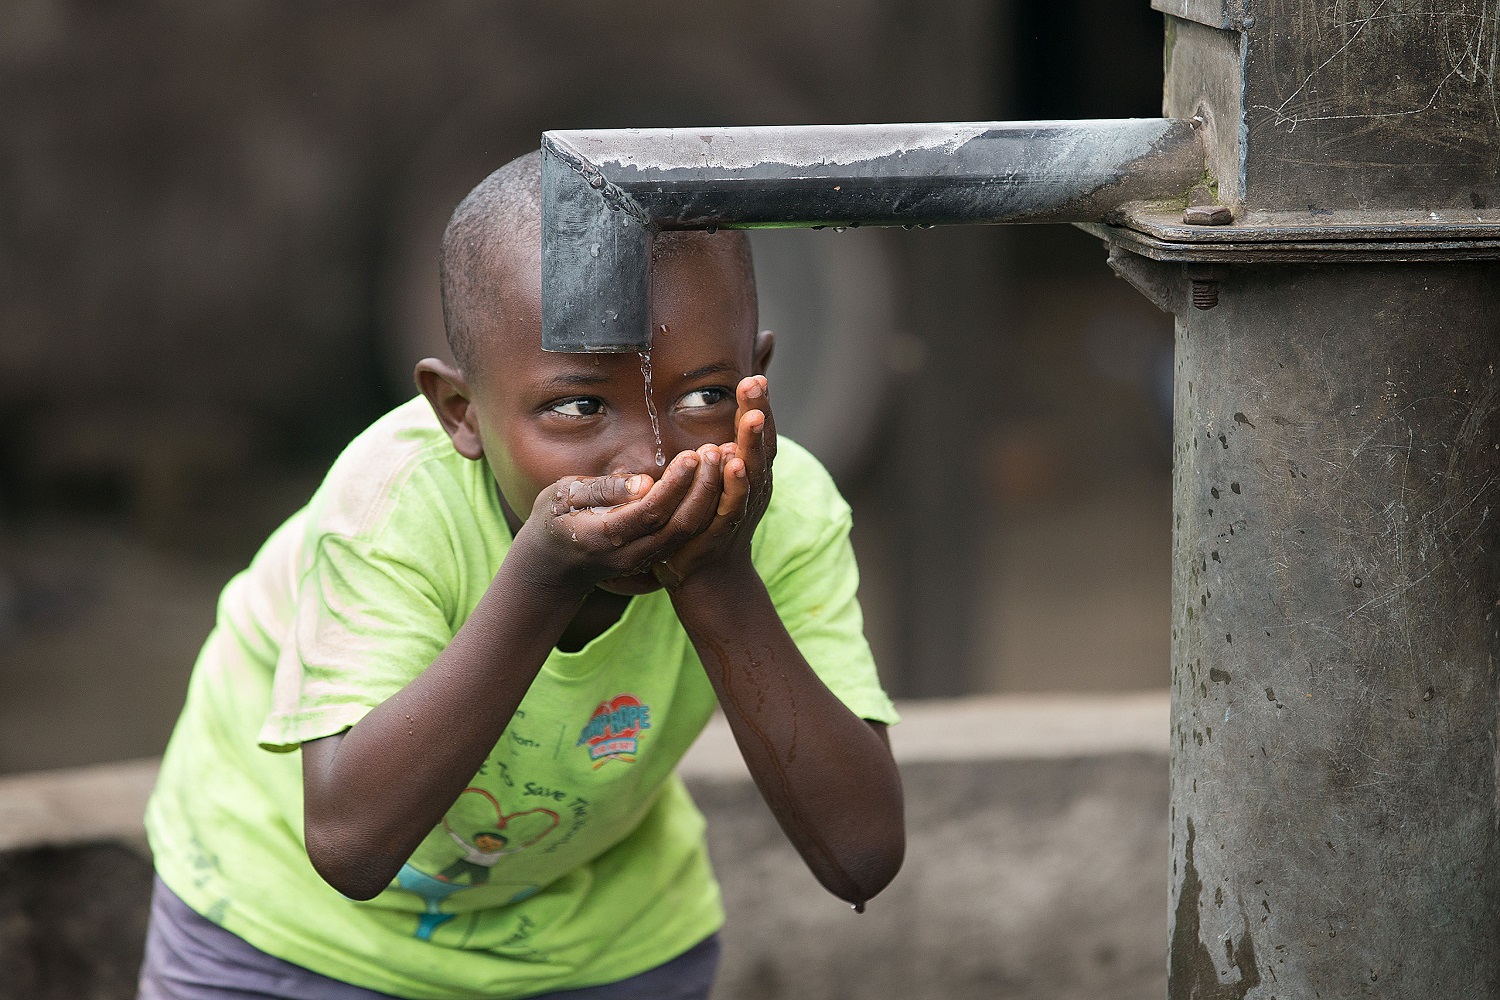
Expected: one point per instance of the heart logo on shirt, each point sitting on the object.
(478, 813)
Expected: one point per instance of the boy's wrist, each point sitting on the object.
(718, 584)
(538, 566)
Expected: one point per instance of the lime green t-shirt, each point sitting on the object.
(575, 857)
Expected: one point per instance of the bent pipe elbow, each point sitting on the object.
(606, 192)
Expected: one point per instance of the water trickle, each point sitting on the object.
(651, 405)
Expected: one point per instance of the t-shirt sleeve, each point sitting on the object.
(815, 589)
(367, 622)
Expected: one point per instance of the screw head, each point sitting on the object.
(1207, 215)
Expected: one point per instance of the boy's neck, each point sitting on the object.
(599, 611)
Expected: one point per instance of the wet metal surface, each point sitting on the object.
(1337, 516)
(606, 191)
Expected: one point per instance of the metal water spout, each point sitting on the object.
(605, 193)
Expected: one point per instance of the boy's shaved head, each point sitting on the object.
(500, 221)
(492, 249)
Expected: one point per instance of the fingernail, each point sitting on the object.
(635, 484)
(712, 456)
(753, 391)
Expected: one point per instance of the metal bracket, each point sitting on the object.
(1226, 14)
(1160, 282)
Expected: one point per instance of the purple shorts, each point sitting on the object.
(188, 957)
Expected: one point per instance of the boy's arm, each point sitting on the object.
(827, 774)
(373, 792)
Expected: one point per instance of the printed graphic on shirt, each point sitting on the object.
(614, 731)
(482, 833)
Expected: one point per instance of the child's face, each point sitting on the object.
(542, 416)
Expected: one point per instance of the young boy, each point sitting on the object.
(492, 634)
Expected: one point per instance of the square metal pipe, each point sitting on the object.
(605, 192)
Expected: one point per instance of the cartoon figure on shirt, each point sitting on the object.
(479, 857)
(500, 834)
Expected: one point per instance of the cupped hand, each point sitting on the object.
(746, 489)
(602, 527)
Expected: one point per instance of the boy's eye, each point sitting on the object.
(578, 406)
(699, 398)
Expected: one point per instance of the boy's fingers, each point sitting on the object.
(607, 491)
(742, 401)
(736, 493)
(697, 510)
(656, 507)
(762, 402)
(750, 445)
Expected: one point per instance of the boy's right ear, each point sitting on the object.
(451, 398)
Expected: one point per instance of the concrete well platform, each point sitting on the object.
(1036, 866)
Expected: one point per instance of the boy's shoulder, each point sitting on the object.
(402, 460)
(806, 509)
(800, 480)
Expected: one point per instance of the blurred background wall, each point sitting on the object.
(218, 233)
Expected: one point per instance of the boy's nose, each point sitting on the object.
(640, 456)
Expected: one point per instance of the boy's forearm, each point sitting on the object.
(374, 792)
(827, 775)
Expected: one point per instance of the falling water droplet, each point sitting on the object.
(712, 229)
(838, 229)
(594, 250)
(858, 907)
(651, 405)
